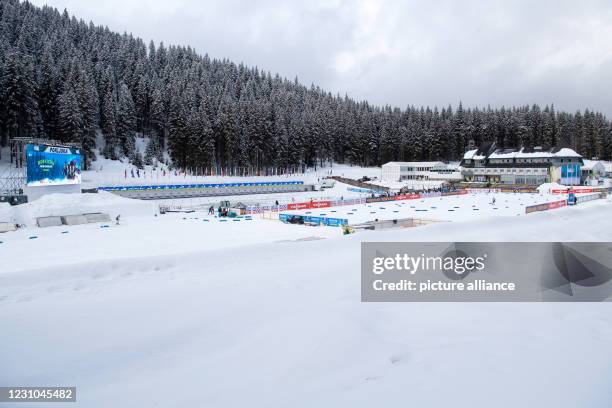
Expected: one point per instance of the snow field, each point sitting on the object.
(184, 309)
(70, 204)
(447, 208)
(281, 321)
(335, 193)
(171, 234)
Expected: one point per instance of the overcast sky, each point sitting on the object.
(395, 52)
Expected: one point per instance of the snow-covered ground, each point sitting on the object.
(186, 310)
(448, 208)
(337, 192)
(106, 172)
(72, 204)
(417, 185)
(172, 310)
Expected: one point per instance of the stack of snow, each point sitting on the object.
(6, 214)
(547, 188)
(74, 204)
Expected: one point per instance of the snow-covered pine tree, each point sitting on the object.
(252, 112)
(126, 121)
(70, 121)
(87, 97)
(20, 105)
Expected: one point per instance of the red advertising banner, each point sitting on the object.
(320, 204)
(298, 206)
(575, 191)
(545, 206)
(557, 204)
(407, 196)
(326, 204)
(308, 205)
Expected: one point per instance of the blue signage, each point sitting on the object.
(570, 174)
(204, 185)
(52, 165)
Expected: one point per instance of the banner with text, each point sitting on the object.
(52, 165)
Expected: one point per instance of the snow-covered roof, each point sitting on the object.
(607, 166)
(415, 164)
(470, 154)
(566, 152)
(591, 164)
(522, 154)
(537, 154)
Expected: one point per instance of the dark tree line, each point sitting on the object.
(65, 79)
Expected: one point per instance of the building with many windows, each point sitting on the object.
(422, 171)
(531, 166)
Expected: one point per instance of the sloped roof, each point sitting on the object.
(416, 164)
(591, 164)
(490, 151)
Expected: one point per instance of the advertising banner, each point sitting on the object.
(407, 196)
(570, 174)
(486, 271)
(535, 208)
(557, 204)
(545, 206)
(309, 205)
(298, 206)
(574, 190)
(52, 165)
(199, 185)
(320, 204)
(379, 199)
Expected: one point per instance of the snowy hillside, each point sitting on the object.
(105, 172)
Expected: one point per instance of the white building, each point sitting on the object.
(608, 167)
(592, 171)
(406, 171)
(490, 164)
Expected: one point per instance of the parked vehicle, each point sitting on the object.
(327, 184)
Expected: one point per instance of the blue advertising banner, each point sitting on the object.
(52, 165)
(201, 185)
(570, 174)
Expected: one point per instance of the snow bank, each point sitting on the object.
(69, 204)
(6, 213)
(547, 187)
